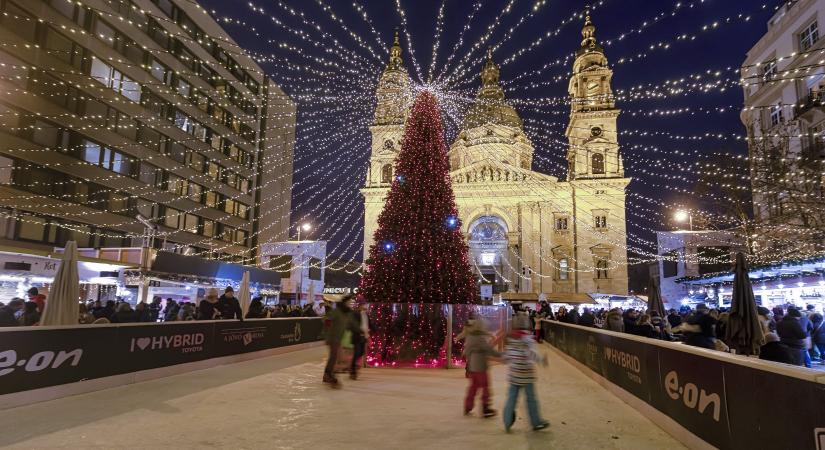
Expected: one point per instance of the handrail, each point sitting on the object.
(801, 373)
(139, 324)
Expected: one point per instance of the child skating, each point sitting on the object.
(522, 355)
(477, 350)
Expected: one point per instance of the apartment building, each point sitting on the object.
(119, 116)
(784, 113)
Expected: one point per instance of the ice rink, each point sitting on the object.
(280, 403)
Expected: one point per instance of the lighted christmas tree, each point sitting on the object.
(419, 261)
(419, 255)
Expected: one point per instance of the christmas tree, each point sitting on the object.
(419, 262)
(419, 255)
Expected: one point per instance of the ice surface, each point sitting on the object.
(280, 403)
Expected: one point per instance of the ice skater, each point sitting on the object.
(522, 355)
(336, 322)
(477, 350)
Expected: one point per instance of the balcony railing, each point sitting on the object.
(814, 100)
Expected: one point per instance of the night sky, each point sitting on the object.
(330, 167)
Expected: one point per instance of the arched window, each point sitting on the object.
(598, 163)
(386, 174)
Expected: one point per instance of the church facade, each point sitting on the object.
(527, 231)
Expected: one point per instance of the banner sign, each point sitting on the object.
(728, 405)
(37, 358)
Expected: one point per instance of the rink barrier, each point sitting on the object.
(34, 358)
(728, 401)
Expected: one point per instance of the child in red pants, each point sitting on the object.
(477, 350)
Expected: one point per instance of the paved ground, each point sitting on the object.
(279, 403)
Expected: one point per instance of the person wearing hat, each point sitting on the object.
(705, 334)
(229, 306)
(477, 351)
(207, 307)
(522, 355)
(792, 334)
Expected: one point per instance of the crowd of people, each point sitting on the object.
(20, 312)
(792, 335)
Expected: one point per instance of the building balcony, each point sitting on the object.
(812, 109)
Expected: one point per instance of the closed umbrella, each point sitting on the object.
(743, 331)
(654, 298)
(62, 305)
(243, 295)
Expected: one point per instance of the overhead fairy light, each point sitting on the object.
(308, 65)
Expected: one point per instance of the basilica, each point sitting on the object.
(527, 232)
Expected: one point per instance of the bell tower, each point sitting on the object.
(592, 134)
(393, 103)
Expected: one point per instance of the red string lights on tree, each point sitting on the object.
(418, 264)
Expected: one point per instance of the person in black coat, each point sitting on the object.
(229, 306)
(705, 337)
(207, 308)
(256, 309)
(674, 319)
(774, 350)
(818, 335)
(792, 334)
(8, 312)
(587, 319)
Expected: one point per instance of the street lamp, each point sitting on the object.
(306, 227)
(684, 216)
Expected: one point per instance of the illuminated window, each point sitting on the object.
(564, 269)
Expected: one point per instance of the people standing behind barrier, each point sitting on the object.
(84, 317)
(792, 334)
(701, 328)
(521, 355)
(818, 335)
(806, 324)
(229, 306)
(477, 351)
(674, 319)
(170, 313)
(645, 328)
(614, 321)
(100, 312)
(778, 313)
(155, 308)
(9, 313)
(38, 299)
(143, 313)
(30, 316)
(587, 318)
(630, 318)
(773, 349)
(124, 314)
(207, 308)
(186, 312)
(256, 309)
(662, 326)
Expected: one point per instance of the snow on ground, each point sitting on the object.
(280, 403)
